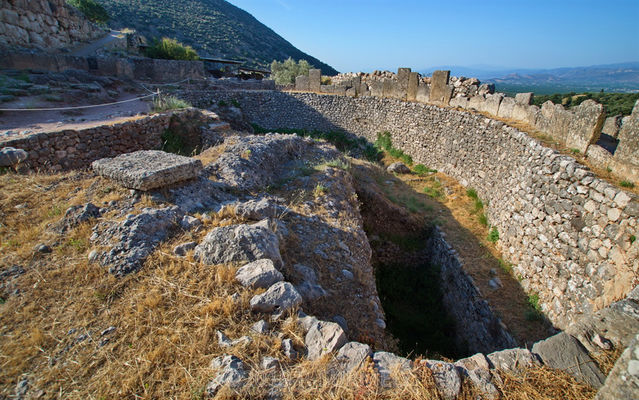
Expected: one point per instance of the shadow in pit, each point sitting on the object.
(271, 111)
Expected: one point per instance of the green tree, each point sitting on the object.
(285, 72)
(91, 9)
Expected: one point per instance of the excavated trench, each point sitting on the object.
(407, 282)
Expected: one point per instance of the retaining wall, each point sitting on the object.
(478, 329)
(76, 149)
(568, 233)
(44, 24)
(578, 128)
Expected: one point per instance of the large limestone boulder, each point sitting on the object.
(280, 297)
(10, 156)
(238, 243)
(231, 373)
(258, 274)
(324, 337)
(623, 380)
(148, 169)
(353, 354)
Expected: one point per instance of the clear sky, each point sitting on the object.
(363, 35)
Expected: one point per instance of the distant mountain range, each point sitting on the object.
(214, 28)
(623, 77)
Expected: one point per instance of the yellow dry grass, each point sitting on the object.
(165, 316)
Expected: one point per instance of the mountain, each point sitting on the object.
(214, 28)
(623, 77)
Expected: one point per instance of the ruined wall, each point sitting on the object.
(568, 233)
(131, 67)
(44, 24)
(77, 149)
(479, 330)
(577, 129)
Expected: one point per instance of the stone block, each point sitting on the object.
(440, 91)
(628, 148)
(377, 89)
(491, 105)
(506, 108)
(403, 75)
(413, 83)
(302, 83)
(388, 88)
(564, 352)
(314, 80)
(459, 101)
(423, 93)
(598, 156)
(623, 380)
(357, 84)
(148, 169)
(524, 99)
(611, 126)
(585, 123)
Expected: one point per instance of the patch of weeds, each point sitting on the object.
(505, 266)
(422, 170)
(534, 312)
(483, 219)
(306, 170)
(472, 193)
(2, 300)
(339, 163)
(166, 103)
(79, 244)
(384, 142)
(246, 154)
(627, 184)
(235, 103)
(493, 235)
(173, 143)
(223, 103)
(53, 98)
(23, 76)
(320, 190)
(632, 239)
(432, 192)
(5, 170)
(55, 211)
(575, 151)
(414, 205)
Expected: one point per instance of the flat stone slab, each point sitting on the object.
(147, 169)
(564, 352)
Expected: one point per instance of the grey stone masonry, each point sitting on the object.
(314, 80)
(440, 91)
(567, 233)
(524, 98)
(148, 169)
(302, 83)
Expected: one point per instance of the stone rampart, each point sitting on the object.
(577, 129)
(570, 235)
(44, 24)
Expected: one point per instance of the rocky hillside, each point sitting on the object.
(213, 27)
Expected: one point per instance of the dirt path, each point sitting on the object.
(91, 48)
(26, 122)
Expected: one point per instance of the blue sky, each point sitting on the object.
(363, 35)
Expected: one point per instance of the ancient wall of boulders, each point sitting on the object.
(570, 235)
(44, 24)
(577, 129)
(76, 149)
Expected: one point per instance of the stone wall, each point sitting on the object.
(44, 24)
(77, 149)
(131, 67)
(568, 233)
(577, 129)
(478, 329)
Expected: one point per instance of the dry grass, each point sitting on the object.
(165, 316)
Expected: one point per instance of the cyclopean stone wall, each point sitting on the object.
(570, 235)
(578, 128)
(44, 24)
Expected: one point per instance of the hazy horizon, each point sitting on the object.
(354, 35)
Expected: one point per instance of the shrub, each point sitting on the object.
(170, 49)
(483, 220)
(165, 103)
(627, 184)
(284, 73)
(320, 190)
(421, 170)
(91, 9)
(385, 143)
(472, 193)
(493, 235)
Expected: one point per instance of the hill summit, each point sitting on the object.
(213, 27)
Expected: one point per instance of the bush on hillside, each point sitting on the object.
(284, 73)
(91, 9)
(170, 49)
(614, 103)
